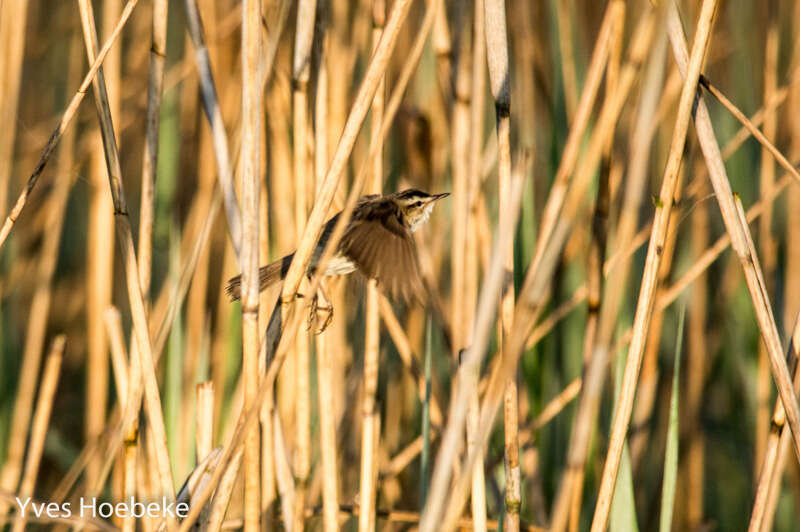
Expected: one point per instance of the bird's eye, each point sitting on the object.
(418, 204)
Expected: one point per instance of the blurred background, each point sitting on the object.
(61, 267)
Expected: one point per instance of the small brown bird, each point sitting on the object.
(377, 242)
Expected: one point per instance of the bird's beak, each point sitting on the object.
(437, 197)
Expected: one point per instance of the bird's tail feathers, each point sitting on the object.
(267, 276)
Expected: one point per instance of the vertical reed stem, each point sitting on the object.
(369, 415)
(251, 183)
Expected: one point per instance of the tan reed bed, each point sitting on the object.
(347, 420)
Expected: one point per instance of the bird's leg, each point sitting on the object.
(324, 307)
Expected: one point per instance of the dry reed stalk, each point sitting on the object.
(468, 379)
(41, 418)
(250, 170)
(489, 299)
(205, 419)
(468, 109)
(145, 358)
(119, 358)
(68, 115)
(766, 241)
(759, 136)
(99, 283)
(101, 254)
(301, 70)
(327, 430)
(126, 463)
(500, 83)
(564, 15)
(280, 159)
(283, 474)
(155, 84)
(695, 377)
(324, 342)
(653, 261)
(647, 387)
(442, 47)
(736, 226)
(40, 303)
(214, 114)
(267, 457)
(792, 268)
(12, 50)
(395, 465)
(273, 38)
(370, 427)
(130, 450)
(376, 431)
(358, 112)
(477, 172)
(461, 140)
(222, 496)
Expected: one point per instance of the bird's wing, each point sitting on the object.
(383, 249)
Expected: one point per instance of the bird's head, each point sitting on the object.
(417, 206)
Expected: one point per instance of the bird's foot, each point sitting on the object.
(321, 310)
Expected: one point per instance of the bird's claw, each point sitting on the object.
(316, 311)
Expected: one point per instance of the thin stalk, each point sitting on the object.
(766, 241)
(301, 70)
(792, 265)
(369, 427)
(251, 183)
(696, 356)
(324, 345)
(564, 14)
(205, 420)
(426, 418)
(500, 82)
(13, 19)
(466, 136)
(222, 496)
(473, 76)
